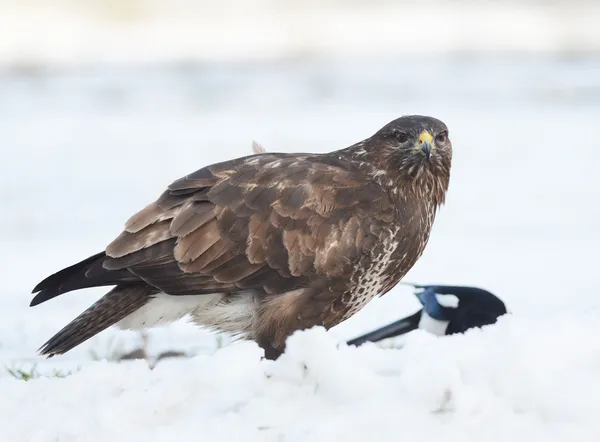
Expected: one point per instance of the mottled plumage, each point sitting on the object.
(267, 244)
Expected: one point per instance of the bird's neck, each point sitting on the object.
(427, 185)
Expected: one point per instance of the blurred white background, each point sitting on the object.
(104, 103)
(92, 31)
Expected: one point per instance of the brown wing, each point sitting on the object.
(267, 223)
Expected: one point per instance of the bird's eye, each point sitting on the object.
(401, 136)
(442, 137)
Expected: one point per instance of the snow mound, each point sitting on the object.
(520, 380)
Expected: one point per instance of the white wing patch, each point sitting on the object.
(447, 300)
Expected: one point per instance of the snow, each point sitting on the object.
(500, 384)
(83, 149)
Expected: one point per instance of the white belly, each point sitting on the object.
(233, 314)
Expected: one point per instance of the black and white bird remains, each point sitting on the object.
(446, 310)
(267, 244)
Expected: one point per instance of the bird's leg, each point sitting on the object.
(280, 316)
(271, 353)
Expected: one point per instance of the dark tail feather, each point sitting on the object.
(87, 273)
(108, 310)
(397, 328)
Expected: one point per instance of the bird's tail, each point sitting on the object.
(84, 274)
(108, 310)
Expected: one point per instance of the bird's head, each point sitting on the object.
(414, 150)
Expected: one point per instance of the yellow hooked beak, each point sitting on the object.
(425, 143)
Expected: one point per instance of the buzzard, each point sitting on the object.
(267, 244)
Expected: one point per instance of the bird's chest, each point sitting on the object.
(369, 276)
(389, 261)
(411, 241)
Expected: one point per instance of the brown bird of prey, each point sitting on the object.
(271, 243)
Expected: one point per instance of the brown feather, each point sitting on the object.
(217, 262)
(143, 218)
(300, 259)
(197, 180)
(258, 231)
(260, 198)
(128, 242)
(110, 309)
(141, 256)
(234, 227)
(191, 217)
(168, 200)
(196, 243)
(211, 254)
(225, 193)
(235, 269)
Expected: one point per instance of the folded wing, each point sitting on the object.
(267, 222)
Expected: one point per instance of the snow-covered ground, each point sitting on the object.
(509, 383)
(83, 149)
